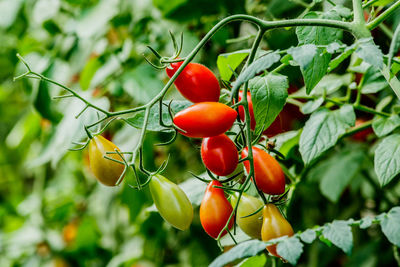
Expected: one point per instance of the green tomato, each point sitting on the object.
(248, 204)
(171, 202)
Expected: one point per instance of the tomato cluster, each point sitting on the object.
(210, 120)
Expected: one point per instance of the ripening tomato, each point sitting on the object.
(215, 210)
(105, 170)
(251, 111)
(205, 119)
(247, 205)
(362, 136)
(274, 226)
(219, 154)
(268, 174)
(196, 82)
(171, 202)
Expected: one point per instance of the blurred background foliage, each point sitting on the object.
(53, 212)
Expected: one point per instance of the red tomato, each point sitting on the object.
(251, 111)
(362, 135)
(268, 173)
(215, 210)
(205, 119)
(196, 82)
(219, 154)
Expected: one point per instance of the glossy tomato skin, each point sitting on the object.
(219, 154)
(251, 111)
(196, 82)
(205, 119)
(215, 210)
(247, 205)
(268, 173)
(274, 225)
(106, 171)
(171, 202)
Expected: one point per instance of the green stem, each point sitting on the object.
(369, 3)
(358, 12)
(375, 23)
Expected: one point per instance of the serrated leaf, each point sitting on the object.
(243, 250)
(323, 129)
(313, 63)
(227, 63)
(387, 159)
(385, 125)
(366, 222)
(373, 81)
(339, 233)
(153, 122)
(390, 224)
(290, 249)
(338, 172)
(257, 66)
(268, 95)
(317, 34)
(308, 236)
(369, 52)
(312, 105)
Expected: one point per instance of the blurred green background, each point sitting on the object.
(53, 212)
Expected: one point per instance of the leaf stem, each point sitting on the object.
(375, 22)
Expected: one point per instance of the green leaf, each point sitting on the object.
(369, 52)
(390, 224)
(387, 159)
(290, 249)
(87, 234)
(317, 34)
(227, 63)
(268, 95)
(382, 2)
(43, 103)
(286, 141)
(153, 122)
(392, 80)
(255, 261)
(311, 106)
(88, 72)
(331, 83)
(373, 81)
(313, 63)
(242, 250)
(339, 233)
(394, 45)
(308, 236)
(385, 125)
(257, 66)
(323, 129)
(338, 172)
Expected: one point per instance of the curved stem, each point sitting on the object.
(375, 23)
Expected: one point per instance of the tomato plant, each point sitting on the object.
(219, 154)
(196, 82)
(215, 210)
(268, 174)
(205, 119)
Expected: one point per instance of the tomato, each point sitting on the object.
(268, 173)
(215, 210)
(105, 170)
(274, 226)
(69, 232)
(248, 204)
(205, 119)
(362, 136)
(196, 82)
(251, 111)
(219, 154)
(171, 202)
